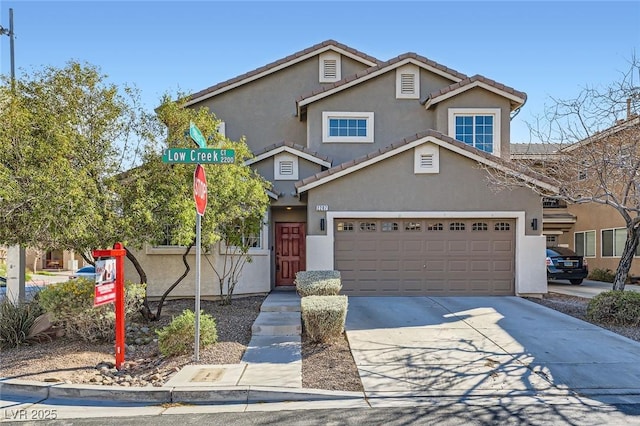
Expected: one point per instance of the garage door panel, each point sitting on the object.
(502, 246)
(435, 266)
(502, 266)
(458, 266)
(412, 260)
(412, 265)
(480, 266)
(458, 246)
(478, 247)
(435, 246)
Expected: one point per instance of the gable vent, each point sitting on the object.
(426, 161)
(286, 168)
(330, 69)
(407, 84)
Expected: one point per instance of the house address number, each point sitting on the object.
(322, 208)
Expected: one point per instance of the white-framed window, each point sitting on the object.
(345, 226)
(347, 127)
(285, 166)
(168, 231)
(426, 159)
(330, 67)
(408, 82)
(612, 242)
(478, 127)
(256, 242)
(585, 243)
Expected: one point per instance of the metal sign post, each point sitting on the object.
(200, 197)
(202, 155)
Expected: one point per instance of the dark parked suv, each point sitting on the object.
(565, 264)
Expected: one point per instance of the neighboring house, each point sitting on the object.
(39, 260)
(593, 230)
(378, 171)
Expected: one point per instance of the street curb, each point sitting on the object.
(182, 394)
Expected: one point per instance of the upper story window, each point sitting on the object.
(347, 127)
(478, 127)
(330, 69)
(408, 82)
(285, 166)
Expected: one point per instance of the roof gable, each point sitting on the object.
(516, 97)
(297, 150)
(281, 64)
(411, 142)
(620, 126)
(374, 71)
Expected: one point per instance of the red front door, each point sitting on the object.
(290, 251)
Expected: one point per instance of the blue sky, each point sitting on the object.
(542, 48)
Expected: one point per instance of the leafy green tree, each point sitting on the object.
(62, 132)
(158, 197)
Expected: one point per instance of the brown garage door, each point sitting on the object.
(425, 257)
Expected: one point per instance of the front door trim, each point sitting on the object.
(289, 260)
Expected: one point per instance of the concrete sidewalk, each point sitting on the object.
(273, 356)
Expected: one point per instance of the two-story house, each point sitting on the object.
(378, 171)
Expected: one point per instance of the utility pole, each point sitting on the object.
(16, 254)
(10, 33)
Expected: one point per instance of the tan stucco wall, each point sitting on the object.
(391, 185)
(285, 189)
(164, 265)
(394, 119)
(477, 98)
(264, 110)
(597, 217)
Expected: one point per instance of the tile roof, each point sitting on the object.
(408, 140)
(434, 96)
(382, 65)
(535, 148)
(294, 146)
(616, 128)
(279, 62)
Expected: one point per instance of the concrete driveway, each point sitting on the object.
(480, 346)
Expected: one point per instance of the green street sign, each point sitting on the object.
(197, 136)
(198, 156)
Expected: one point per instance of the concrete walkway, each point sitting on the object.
(587, 289)
(273, 357)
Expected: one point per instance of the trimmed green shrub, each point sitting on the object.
(71, 305)
(615, 307)
(318, 283)
(605, 275)
(179, 336)
(16, 322)
(323, 317)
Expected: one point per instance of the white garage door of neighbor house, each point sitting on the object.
(436, 257)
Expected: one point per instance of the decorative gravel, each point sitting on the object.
(324, 366)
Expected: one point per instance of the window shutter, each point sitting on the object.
(407, 84)
(286, 168)
(330, 69)
(426, 161)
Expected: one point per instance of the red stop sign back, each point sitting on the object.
(200, 189)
